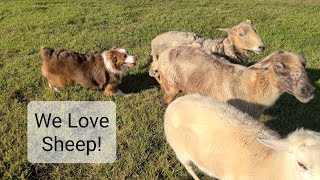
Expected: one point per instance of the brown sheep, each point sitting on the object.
(250, 89)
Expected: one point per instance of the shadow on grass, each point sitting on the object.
(134, 83)
(289, 113)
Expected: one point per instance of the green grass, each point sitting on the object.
(96, 25)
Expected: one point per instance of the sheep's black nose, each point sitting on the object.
(310, 90)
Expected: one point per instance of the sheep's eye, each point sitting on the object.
(254, 29)
(242, 34)
(302, 166)
(125, 56)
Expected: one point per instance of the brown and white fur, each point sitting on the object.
(227, 144)
(250, 89)
(103, 70)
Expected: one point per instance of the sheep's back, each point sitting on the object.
(170, 39)
(195, 71)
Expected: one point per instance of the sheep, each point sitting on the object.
(236, 47)
(251, 89)
(225, 143)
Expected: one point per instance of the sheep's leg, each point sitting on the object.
(169, 97)
(170, 91)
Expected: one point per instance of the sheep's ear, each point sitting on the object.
(276, 144)
(249, 22)
(279, 66)
(263, 64)
(228, 30)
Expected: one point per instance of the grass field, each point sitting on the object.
(96, 25)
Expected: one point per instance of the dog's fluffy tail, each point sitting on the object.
(147, 65)
(46, 53)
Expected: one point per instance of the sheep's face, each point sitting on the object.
(291, 75)
(307, 161)
(302, 148)
(245, 38)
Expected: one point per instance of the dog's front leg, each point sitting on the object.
(112, 89)
(55, 88)
(112, 86)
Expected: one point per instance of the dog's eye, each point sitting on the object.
(125, 56)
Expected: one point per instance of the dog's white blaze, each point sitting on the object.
(130, 58)
(123, 51)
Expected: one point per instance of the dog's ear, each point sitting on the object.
(111, 55)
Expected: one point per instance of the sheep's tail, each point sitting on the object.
(46, 53)
(148, 64)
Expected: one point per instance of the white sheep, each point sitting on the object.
(225, 143)
(236, 47)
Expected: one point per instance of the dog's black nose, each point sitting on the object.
(262, 47)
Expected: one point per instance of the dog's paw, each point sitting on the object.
(56, 90)
(120, 93)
